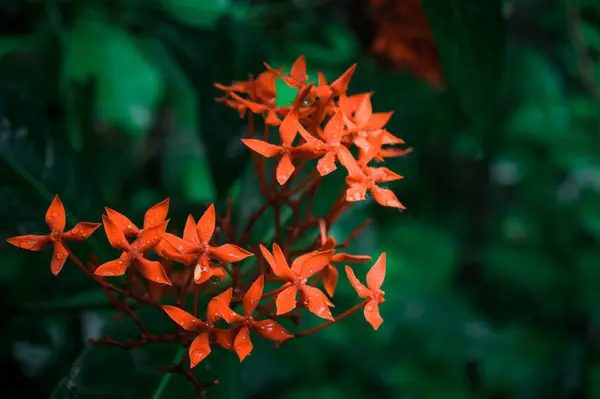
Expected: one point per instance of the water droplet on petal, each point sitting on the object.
(128, 226)
(59, 256)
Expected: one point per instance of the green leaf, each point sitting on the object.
(128, 85)
(470, 37)
(185, 162)
(199, 14)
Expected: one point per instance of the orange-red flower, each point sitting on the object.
(329, 274)
(195, 247)
(133, 254)
(56, 219)
(296, 277)
(200, 346)
(268, 329)
(153, 216)
(372, 291)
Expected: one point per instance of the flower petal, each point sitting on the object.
(182, 245)
(299, 261)
(115, 235)
(378, 120)
(330, 277)
(386, 197)
(166, 250)
(326, 165)
(316, 302)
(242, 344)
(289, 128)
(152, 270)
(376, 275)
(206, 224)
(81, 231)
(372, 315)
(151, 236)
(272, 330)
(218, 307)
(190, 234)
(286, 300)
(59, 257)
(156, 214)
(56, 217)
(316, 263)
(346, 159)
(30, 242)
(344, 257)
(122, 222)
(384, 175)
(116, 267)
(285, 168)
(225, 337)
(334, 128)
(230, 253)
(252, 296)
(298, 70)
(363, 112)
(340, 85)
(278, 262)
(360, 289)
(199, 349)
(265, 149)
(183, 318)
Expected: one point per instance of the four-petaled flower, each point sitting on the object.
(56, 219)
(153, 216)
(296, 277)
(196, 249)
(372, 291)
(134, 253)
(200, 346)
(268, 329)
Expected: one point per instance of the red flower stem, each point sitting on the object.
(330, 322)
(131, 344)
(275, 292)
(354, 234)
(195, 303)
(253, 219)
(307, 182)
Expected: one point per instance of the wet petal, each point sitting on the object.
(202, 272)
(225, 337)
(156, 214)
(252, 296)
(289, 128)
(59, 257)
(356, 192)
(151, 236)
(340, 85)
(316, 302)
(360, 289)
(363, 112)
(218, 307)
(116, 267)
(330, 277)
(326, 165)
(242, 344)
(378, 120)
(334, 128)
(298, 70)
(272, 330)
(286, 300)
(384, 175)
(30, 242)
(122, 222)
(299, 261)
(183, 318)
(315, 263)
(386, 197)
(372, 315)
(168, 251)
(206, 224)
(152, 270)
(277, 262)
(190, 234)
(265, 149)
(230, 253)
(218, 272)
(285, 168)
(115, 235)
(56, 217)
(199, 349)
(272, 119)
(376, 275)
(347, 258)
(181, 245)
(81, 231)
(347, 159)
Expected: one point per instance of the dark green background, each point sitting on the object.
(493, 270)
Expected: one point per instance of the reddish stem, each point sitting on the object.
(330, 322)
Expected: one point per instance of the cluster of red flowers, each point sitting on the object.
(405, 39)
(327, 123)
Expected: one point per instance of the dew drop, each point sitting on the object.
(59, 256)
(128, 226)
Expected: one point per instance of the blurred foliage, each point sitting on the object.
(493, 271)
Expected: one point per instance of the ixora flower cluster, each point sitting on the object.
(322, 123)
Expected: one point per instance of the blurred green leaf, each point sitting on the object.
(128, 85)
(470, 37)
(199, 14)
